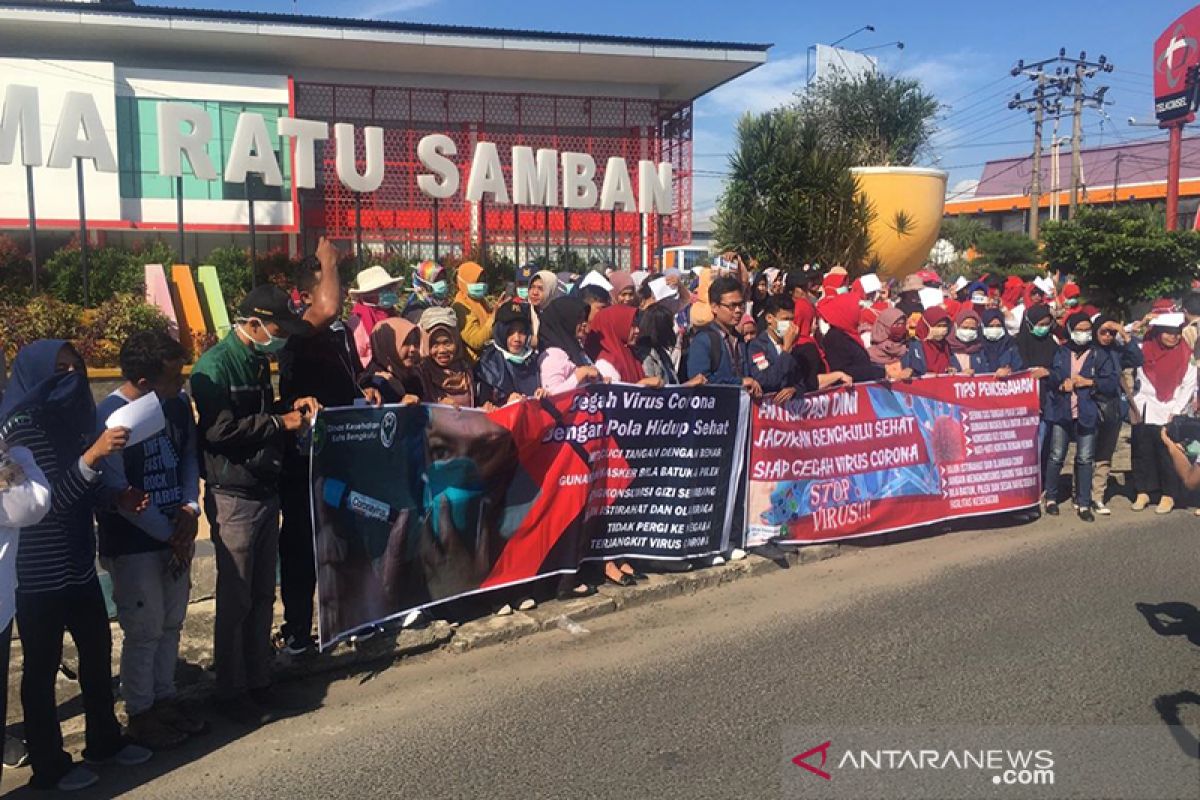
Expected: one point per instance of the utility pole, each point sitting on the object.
(1116, 180)
(1051, 90)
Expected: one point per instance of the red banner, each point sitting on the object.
(874, 458)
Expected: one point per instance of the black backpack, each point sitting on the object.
(714, 350)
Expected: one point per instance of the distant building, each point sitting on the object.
(1126, 174)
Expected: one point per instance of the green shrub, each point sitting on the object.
(233, 271)
(15, 274)
(111, 271)
(43, 317)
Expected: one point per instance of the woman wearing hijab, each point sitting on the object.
(429, 289)
(1166, 388)
(760, 290)
(889, 338)
(375, 294)
(507, 371)
(444, 370)
(1079, 374)
(1110, 339)
(48, 409)
(543, 288)
(930, 353)
(623, 291)
(396, 347)
(658, 346)
(562, 363)
(967, 356)
(566, 283)
(999, 349)
(614, 333)
(842, 347)
(471, 309)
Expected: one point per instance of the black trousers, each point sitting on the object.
(297, 564)
(5, 651)
(1153, 471)
(42, 618)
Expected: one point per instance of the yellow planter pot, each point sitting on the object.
(908, 203)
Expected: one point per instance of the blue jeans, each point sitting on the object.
(1085, 450)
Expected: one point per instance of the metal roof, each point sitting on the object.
(123, 9)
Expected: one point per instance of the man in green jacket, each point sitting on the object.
(242, 439)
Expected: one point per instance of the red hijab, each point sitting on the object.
(1164, 366)
(612, 326)
(1013, 290)
(841, 312)
(937, 354)
(806, 318)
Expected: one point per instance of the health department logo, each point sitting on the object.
(387, 429)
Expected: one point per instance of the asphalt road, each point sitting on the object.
(690, 698)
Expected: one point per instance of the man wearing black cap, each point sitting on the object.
(242, 438)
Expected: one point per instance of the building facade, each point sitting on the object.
(601, 95)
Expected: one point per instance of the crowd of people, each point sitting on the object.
(74, 487)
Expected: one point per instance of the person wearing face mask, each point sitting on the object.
(1079, 374)
(375, 294)
(999, 352)
(1166, 387)
(1070, 298)
(930, 353)
(967, 356)
(48, 410)
(524, 277)
(148, 553)
(444, 370)
(472, 310)
(889, 338)
(977, 296)
(773, 362)
(1111, 340)
(243, 434)
(507, 371)
(840, 342)
(396, 347)
(430, 290)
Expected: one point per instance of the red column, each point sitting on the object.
(1174, 153)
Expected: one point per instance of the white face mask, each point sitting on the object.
(978, 299)
(993, 334)
(1081, 337)
(823, 326)
(782, 326)
(967, 335)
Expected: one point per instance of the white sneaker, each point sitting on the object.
(737, 554)
(504, 610)
(718, 561)
(1102, 509)
(412, 618)
(528, 604)
(78, 778)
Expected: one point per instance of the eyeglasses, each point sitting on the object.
(732, 306)
(1107, 332)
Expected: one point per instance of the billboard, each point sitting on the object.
(824, 61)
(1177, 49)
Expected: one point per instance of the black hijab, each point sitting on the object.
(996, 351)
(1072, 321)
(557, 326)
(1036, 352)
(61, 400)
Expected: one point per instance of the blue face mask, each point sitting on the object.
(457, 482)
(388, 300)
(476, 291)
(523, 292)
(439, 289)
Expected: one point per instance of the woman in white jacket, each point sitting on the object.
(1166, 388)
(24, 500)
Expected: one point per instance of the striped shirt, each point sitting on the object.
(59, 551)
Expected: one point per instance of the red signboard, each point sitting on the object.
(1175, 50)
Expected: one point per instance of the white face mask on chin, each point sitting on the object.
(823, 326)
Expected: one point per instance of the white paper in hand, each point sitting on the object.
(143, 417)
(931, 298)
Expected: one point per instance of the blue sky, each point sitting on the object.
(961, 51)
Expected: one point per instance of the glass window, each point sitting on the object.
(137, 144)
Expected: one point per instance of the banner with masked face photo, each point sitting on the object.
(418, 505)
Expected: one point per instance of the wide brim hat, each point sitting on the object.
(373, 279)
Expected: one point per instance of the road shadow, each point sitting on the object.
(1168, 707)
(1172, 619)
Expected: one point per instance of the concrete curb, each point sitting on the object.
(195, 677)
